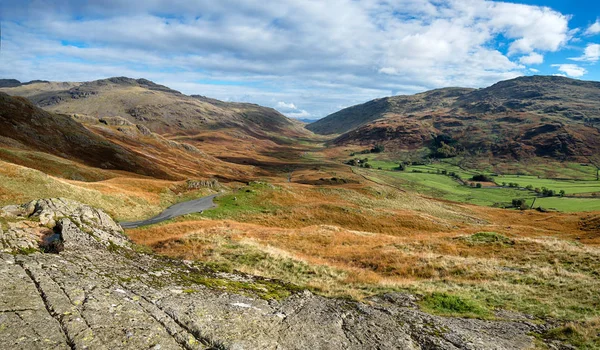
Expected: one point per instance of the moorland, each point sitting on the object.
(481, 203)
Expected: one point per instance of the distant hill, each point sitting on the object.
(155, 106)
(307, 121)
(355, 116)
(520, 118)
(8, 83)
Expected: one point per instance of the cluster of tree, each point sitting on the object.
(445, 151)
(363, 163)
(519, 203)
(482, 178)
(444, 146)
(545, 192)
(376, 149)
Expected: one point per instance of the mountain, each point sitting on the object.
(155, 106)
(307, 120)
(25, 126)
(9, 83)
(86, 148)
(520, 118)
(355, 116)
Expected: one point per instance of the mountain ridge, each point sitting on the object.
(155, 106)
(515, 119)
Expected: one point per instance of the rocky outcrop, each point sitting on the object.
(101, 293)
(69, 219)
(209, 183)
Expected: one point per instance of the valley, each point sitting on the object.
(290, 208)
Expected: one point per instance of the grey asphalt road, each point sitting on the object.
(193, 206)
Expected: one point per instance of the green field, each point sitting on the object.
(442, 186)
(545, 168)
(568, 204)
(573, 178)
(569, 186)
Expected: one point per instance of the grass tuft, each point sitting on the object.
(488, 238)
(453, 305)
(584, 335)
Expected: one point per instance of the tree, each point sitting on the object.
(445, 151)
(562, 193)
(400, 167)
(378, 148)
(479, 185)
(519, 203)
(482, 177)
(367, 165)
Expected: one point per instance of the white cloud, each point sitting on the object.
(284, 105)
(300, 114)
(594, 28)
(532, 58)
(270, 52)
(531, 27)
(533, 70)
(590, 54)
(571, 70)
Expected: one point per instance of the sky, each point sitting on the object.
(305, 58)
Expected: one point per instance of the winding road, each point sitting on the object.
(193, 206)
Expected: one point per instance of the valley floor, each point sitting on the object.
(358, 233)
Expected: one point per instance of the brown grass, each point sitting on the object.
(354, 238)
(363, 243)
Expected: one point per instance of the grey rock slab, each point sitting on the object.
(25, 323)
(30, 329)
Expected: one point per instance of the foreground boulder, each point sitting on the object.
(99, 292)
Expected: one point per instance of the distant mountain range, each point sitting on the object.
(115, 118)
(155, 106)
(520, 118)
(306, 120)
(137, 126)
